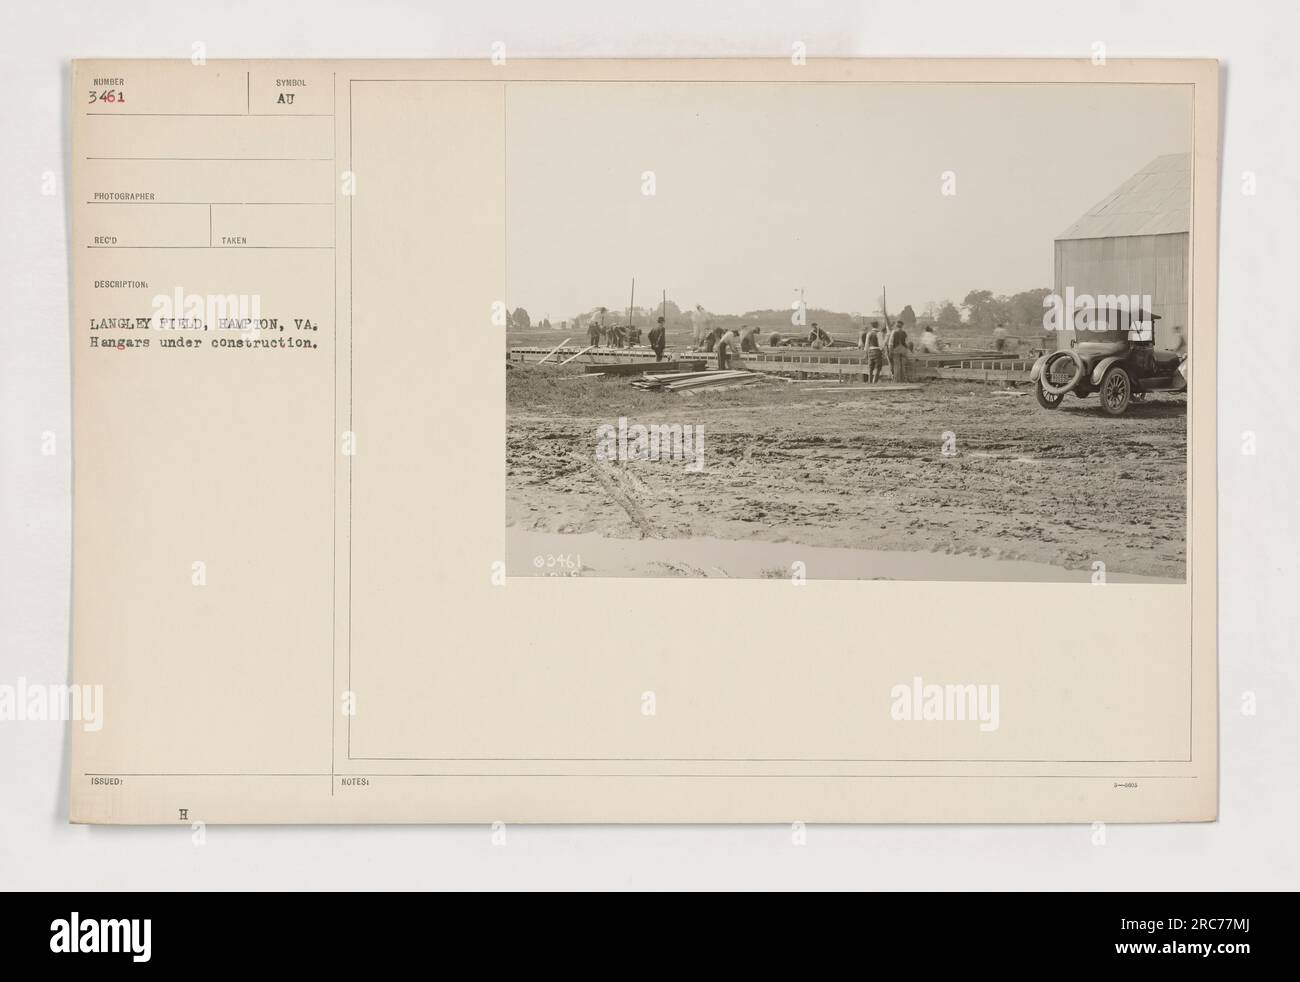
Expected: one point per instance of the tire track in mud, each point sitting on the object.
(625, 490)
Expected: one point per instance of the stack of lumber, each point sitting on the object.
(680, 381)
(638, 367)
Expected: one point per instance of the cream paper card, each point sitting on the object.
(367, 523)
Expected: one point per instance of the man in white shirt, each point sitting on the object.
(726, 344)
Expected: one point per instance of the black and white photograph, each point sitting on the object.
(849, 331)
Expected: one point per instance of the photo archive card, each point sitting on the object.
(644, 441)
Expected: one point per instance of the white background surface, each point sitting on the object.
(1253, 845)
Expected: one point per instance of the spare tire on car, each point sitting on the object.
(1057, 378)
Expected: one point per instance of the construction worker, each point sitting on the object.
(929, 340)
(726, 344)
(616, 336)
(1178, 344)
(699, 324)
(818, 337)
(633, 335)
(874, 342)
(748, 339)
(658, 339)
(899, 353)
(593, 331)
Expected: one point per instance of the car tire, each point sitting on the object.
(1116, 390)
(1045, 398)
(1060, 390)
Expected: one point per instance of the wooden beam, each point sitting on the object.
(571, 357)
(556, 348)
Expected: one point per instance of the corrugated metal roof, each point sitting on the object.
(1157, 200)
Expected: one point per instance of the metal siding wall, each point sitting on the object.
(1172, 284)
(1154, 265)
(1062, 337)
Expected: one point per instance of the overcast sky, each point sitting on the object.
(762, 189)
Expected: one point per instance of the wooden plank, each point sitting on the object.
(887, 387)
(570, 358)
(556, 348)
(979, 374)
(653, 367)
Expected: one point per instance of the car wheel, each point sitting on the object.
(1046, 399)
(1055, 378)
(1116, 390)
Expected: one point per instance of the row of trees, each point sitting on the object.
(979, 312)
(521, 321)
(982, 311)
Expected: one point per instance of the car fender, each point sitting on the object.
(1099, 369)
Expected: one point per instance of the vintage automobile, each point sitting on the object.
(1114, 355)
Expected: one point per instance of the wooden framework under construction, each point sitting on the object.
(848, 363)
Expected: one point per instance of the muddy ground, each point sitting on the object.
(861, 470)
